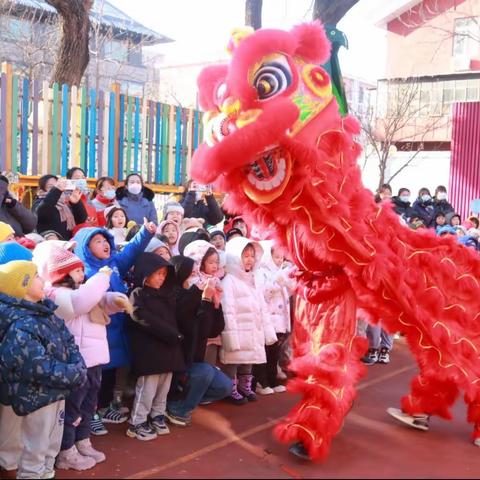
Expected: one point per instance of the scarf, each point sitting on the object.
(66, 214)
(200, 279)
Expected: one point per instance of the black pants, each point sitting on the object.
(105, 395)
(266, 373)
(79, 408)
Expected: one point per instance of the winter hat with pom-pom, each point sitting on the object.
(60, 263)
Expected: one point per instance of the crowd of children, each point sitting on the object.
(185, 315)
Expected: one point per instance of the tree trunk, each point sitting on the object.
(73, 56)
(331, 12)
(253, 13)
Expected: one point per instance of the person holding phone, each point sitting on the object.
(199, 202)
(13, 213)
(58, 209)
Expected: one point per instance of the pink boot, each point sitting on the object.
(245, 387)
(86, 449)
(236, 398)
(71, 459)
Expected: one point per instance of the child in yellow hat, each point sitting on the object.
(7, 233)
(40, 365)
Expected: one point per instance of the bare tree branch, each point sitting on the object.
(331, 12)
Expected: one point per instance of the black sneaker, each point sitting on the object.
(109, 415)
(143, 431)
(299, 450)
(96, 425)
(159, 425)
(367, 360)
(384, 356)
(178, 421)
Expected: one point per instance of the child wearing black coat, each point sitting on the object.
(155, 344)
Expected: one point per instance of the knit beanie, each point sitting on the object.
(172, 207)
(154, 244)
(16, 276)
(11, 251)
(215, 231)
(60, 263)
(5, 231)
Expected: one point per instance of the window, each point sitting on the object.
(473, 90)
(132, 88)
(466, 41)
(460, 90)
(15, 29)
(115, 50)
(135, 55)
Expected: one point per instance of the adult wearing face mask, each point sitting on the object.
(440, 202)
(198, 204)
(137, 200)
(423, 208)
(104, 197)
(402, 205)
(78, 175)
(58, 210)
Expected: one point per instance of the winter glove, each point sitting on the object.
(97, 315)
(122, 302)
(106, 270)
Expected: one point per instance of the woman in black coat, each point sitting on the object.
(198, 320)
(154, 335)
(201, 205)
(56, 210)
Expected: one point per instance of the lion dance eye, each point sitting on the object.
(271, 79)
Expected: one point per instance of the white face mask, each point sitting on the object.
(134, 188)
(441, 196)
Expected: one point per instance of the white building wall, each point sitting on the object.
(428, 169)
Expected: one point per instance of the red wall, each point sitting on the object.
(464, 183)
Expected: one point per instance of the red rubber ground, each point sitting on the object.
(226, 441)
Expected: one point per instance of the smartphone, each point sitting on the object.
(71, 185)
(197, 187)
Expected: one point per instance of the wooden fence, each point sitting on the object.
(48, 129)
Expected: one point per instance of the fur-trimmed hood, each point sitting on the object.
(147, 193)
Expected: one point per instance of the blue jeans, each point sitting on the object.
(206, 384)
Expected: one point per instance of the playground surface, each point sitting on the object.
(227, 441)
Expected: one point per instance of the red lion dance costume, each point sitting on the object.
(277, 145)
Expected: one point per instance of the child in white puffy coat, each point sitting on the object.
(85, 309)
(277, 286)
(248, 327)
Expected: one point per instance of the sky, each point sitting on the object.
(201, 29)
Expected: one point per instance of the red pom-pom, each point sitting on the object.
(312, 42)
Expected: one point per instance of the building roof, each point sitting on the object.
(393, 9)
(107, 15)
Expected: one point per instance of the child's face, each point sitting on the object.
(163, 252)
(278, 257)
(248, 258)
(118, 219)
(99, 247)
(211, 264)
(171, 233)
(176, 217)
(455, 221)
(157, 278)
(35, 291)
(242, 226)
(78, 275)
(218, 242)
(440, 220)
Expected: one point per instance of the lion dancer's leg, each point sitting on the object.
(428, 396)
(326, 365)
(473, 414)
